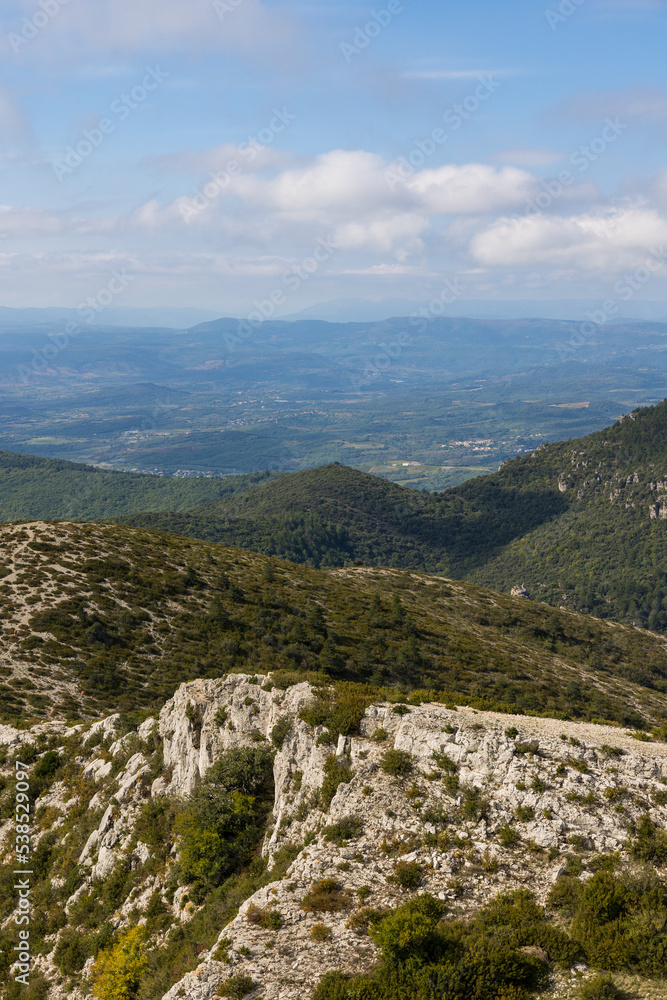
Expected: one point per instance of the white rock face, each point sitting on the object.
(555, 774)
(192, 736)
(561, 786)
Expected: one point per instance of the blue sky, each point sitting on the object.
(207, 148)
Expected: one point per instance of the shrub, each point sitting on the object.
(650, 843)
(325, 896)
(237, 987)
(565, 895)
(411, 932)
(613, 751)
(525, 814)
(363, 892)
(599, 919)
(118, 970)
(474, 806)
(269, 920)
(224, 820)
(281, 731)
(380, 734)
(507, 836)
(407, 874)
(600, 988)
(397, 763)
(345, 829)
(340, 710)
(337, 771)
(400, 710)
(47, 766)
(332, 986)
(444, 762)
(320, 932)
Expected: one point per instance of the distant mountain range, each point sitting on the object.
(160, 316)
(360, 310)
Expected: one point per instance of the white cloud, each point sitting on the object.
(609, 239)
(248, 27)
(472, 189)
(275, 213)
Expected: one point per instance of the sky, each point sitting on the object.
(244, 156)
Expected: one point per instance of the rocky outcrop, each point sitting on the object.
(567, 783)
(480, 802)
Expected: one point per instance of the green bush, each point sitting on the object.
(281, 731)
(600, 988)
(508, 836)
(236, 987)
(345, 829)
(398, 763)
(219, 830)
(333, 986)
(444, 762)
(407, 874)
(474, 806)
(565, 895)
(325, 896)
(117, 973)
(649, 843)
(340, 710)
(47, 766)
(337, 771)
(619, 922)
(73, 951)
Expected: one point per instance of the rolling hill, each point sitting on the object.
(104, 617)
(580, 523)
(33, 488)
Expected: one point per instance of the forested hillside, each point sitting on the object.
(581, 523)
(33, 488)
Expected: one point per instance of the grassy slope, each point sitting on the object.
(124, 615)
